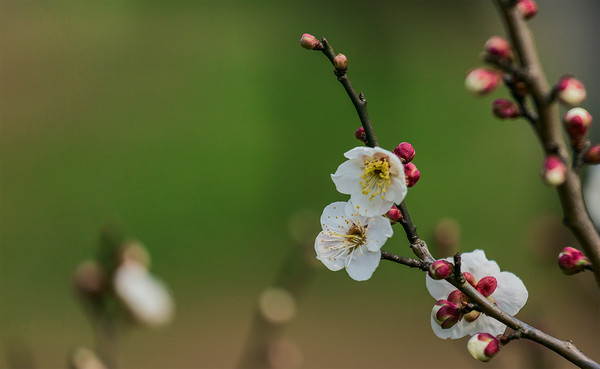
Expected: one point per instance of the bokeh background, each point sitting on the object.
(209, 134)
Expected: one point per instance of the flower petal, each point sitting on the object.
(378, 231)
(485, 324)
(511, 293)
(329, 256)
(397, 190)
(347, 177)
(334, 217)
(457, 331)
(439, 290)
(477, 264)
(363, 263)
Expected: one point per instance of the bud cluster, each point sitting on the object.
(406, 152)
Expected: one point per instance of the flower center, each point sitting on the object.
(376, 177)
(354, 237)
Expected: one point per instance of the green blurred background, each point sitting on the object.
(205, 130)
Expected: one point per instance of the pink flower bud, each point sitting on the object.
(361, 135)
(412, 174)
(577, 122)
(310, 42)
(572, 261)
(487, 285)
(483, 346)
(394, 215)
(498, 47)
(570, 91)
(340, 62)
(440, 269)
(458, 297)
(469, 277)
(592, 156)
(503, 109)
(555, 171)
(527, 8)
(405, 152)
(446, 313)
(481, 81)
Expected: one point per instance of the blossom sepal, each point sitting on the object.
(483, 346)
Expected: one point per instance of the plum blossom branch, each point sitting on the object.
(548, 131)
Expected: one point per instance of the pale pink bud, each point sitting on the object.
(577, 122)
(503, 109)
(394, 214)
(483, 346)
(555, 171)
(498, 47)
(440, 269)
(527, 8)
(470, 278)
(572, 261)
(310, 42)
(405, 152)
(592, 156)
(487, 285)
(412, 174)
(481, 81)
(361, 135)
(446, 313)
(570, 91)
(340, 62)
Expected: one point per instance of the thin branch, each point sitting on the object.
(412, 263)
(549, 132)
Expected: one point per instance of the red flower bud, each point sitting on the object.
(554, 172)
(361, 135)
(340, 62)
(592, 156)
(458, 297)
(527, 8)
(412, 174)
(446, 313)
(469, 277)
(481, 81)
(498, 47)
(393, 214)
(577, 122)
(405, 152)
(487, 285)
(572, 261)
(483, 346)
(503, 109)
(570, 91)
(440, 269)
(310, 42)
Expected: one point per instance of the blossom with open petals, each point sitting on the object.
(351, 241)
(374, 179)
(503, 288)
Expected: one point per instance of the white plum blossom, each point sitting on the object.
(374, 179)
(351, 241)
(146, 297)
(509, 294)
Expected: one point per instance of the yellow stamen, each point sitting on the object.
(376, 177)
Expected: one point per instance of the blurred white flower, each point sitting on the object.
(374, 179)
(509, 293)
(351, 241)
(146, 297)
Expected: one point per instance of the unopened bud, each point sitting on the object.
(89, 278)
(498, 47)
(504, 109)
(412, 174)
(405, 152)
(446, 313)
(440, 269)
(481, 81)
(572, 261)
(310, 42)
(570, 91)
(393, 215)
(554, 172)
(361, 135)
(577, 122)
(592, 156)
(340, 62)
(483, 346)
(527, 8)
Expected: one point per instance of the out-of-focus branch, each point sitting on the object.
(548, 129)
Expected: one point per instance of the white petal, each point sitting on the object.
(360, 151)
(457, 331)
(439, 290)
(363, 264)
(397, 190)
(478, 265)
(332, 259)
(378, 231)
(347, 177)
(485, 324)
(368, 206)
(334, 217)
(511, 293)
